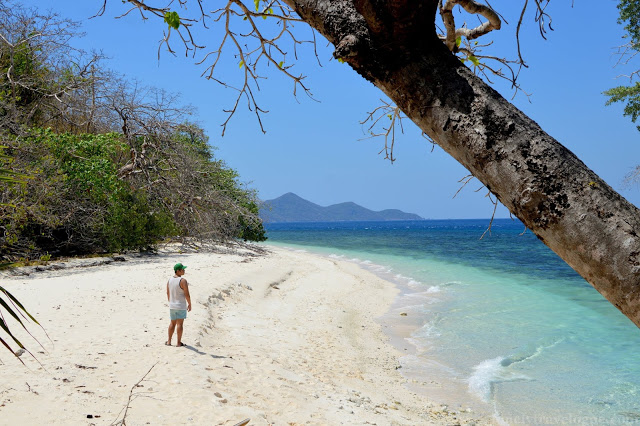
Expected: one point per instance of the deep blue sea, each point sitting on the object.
(500, 324)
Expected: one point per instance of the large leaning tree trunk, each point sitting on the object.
(394, 45)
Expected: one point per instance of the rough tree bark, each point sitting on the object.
(394, 45)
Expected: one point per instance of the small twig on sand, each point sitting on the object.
(126, 407)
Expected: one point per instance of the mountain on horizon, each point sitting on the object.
(293, 208)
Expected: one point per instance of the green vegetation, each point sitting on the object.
(630, 18)
(93, 163)
(630, 15)
(75, 203)
(628, 94)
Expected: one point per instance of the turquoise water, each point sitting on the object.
(501, 320)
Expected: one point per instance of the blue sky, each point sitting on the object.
(315, 148)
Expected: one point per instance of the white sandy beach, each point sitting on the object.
(286, 338)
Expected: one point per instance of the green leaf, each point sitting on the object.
(17, 302)
(628, 94)
(458, 41)
(241, 64)
(270, 11)
(172, 19)
(11, 350)
(474, 60)
(257, 3)
(341, 60)
(280, 64)
(5, 327)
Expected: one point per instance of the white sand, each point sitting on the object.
(288, 338)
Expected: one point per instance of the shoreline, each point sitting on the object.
(424, 376)
(281, 338)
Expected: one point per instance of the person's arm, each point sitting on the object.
(168, 296)
(185, 287)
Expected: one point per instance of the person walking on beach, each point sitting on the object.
(179, 302)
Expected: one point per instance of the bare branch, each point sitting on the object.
(524, 9)
(542, 17)
(378, 117)
(465, 180)
(626, 53)
(493, 215)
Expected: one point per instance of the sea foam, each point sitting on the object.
(488, 373)
(499, 369)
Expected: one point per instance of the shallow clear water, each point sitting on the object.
(502, 318)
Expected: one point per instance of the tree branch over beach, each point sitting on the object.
(398, 47)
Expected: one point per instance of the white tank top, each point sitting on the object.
(176, 294)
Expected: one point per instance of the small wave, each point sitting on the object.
(428, 296)
(422, 367)
(433, 289)
(500, 369)
(416, 308)
(336, 256)
(488, 373)
(529, 354)
(427, 331)
(373, 266)
(423, 295)
(420, 346)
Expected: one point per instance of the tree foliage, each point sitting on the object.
(630, 17)
(74, 203)
(114, 165)
(630, 94)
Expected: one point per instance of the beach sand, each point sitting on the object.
(284, 338)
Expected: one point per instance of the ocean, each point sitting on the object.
(500, 325)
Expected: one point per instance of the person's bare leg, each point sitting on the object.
(172, 327)
(179, 329)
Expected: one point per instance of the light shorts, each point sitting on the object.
(177, 314)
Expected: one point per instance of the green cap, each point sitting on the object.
(178, 267)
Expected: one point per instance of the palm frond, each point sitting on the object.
(16, 310)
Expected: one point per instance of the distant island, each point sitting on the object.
(292, 208)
